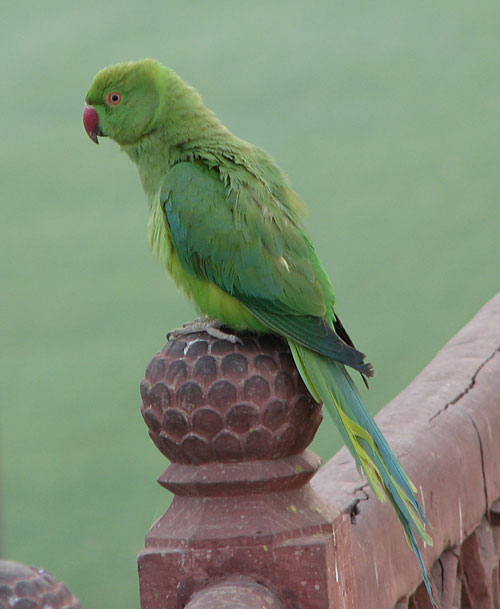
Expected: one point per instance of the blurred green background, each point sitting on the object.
(386, 117)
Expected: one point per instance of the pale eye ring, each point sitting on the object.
(114, 98)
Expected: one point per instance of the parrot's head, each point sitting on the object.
(122, 101)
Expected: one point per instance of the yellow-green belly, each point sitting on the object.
(209, 299)
(212, 301)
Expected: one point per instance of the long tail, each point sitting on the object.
(329, 382)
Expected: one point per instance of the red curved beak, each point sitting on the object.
(91, 122)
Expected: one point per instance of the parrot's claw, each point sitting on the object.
(210, 326)
(216, 333)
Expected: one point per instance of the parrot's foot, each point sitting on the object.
(367, 369)
(210, 326)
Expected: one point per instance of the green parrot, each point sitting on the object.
(227, 225)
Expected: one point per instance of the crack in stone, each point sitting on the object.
(482, 460)
(468, 388)
(354, 507)
(443, 575)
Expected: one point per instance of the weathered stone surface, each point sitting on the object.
(235, 593)
(445, 427)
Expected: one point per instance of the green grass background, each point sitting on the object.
(386, 117)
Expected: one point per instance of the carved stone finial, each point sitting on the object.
(208, 400)
(23, 587)
(235, 421)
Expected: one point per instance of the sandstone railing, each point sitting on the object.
(246, 527)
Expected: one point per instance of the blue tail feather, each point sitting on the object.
(329, 382)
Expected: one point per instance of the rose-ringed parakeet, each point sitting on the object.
(228, 227)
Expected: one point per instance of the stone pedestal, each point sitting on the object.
(235, 422)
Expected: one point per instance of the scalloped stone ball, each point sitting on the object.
(23, 587)
(206, 399)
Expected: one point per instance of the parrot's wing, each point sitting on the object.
(252, 250)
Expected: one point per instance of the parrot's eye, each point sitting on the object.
(113, 99)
